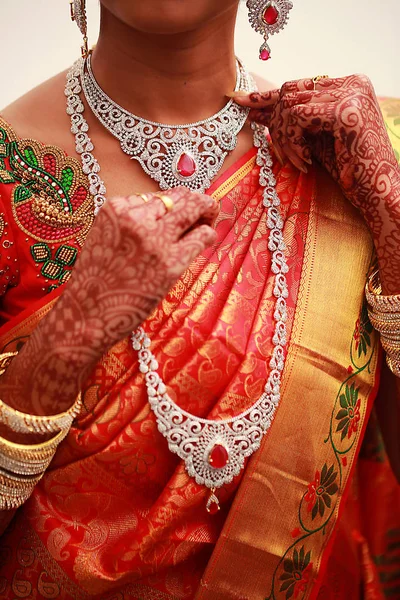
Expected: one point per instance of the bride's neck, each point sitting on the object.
(167, 78)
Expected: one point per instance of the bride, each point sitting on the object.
(193, 315)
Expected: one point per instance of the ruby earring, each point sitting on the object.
(268, 17)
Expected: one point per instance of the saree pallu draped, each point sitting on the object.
(117, 517)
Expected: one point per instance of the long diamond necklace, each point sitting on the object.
(173, 155)
(214, 452)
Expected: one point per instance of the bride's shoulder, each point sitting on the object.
(39, 113)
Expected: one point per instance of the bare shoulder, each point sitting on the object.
(262, 84)
(40, 114)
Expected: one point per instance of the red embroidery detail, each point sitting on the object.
(50, 164)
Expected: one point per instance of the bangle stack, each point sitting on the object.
(24, 423)
(384, 314)
(22, 465)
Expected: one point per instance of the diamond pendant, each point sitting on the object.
(180, 162)
(213, 506)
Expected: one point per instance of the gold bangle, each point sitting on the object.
(389, 344)
(21, 422)
(391, 337)
(16, 483)
(9, 502)
(21, 467)
(393, 353)
(5, 360)
(394, 366)
(385, 321)
(33, 452)
(380, 303)
(385, 327)
(26, 423)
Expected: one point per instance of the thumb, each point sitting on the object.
(257, 100)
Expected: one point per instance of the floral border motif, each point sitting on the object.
(297, 572)
(319, 501)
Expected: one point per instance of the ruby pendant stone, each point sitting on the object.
(265, 54)
(271, 15)
(218, 457)
(186, 166)
(213, 508)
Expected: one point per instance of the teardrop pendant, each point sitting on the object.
(213, 506)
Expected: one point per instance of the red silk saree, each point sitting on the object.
(116, 516)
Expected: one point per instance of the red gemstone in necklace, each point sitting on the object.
(271, 15)
(218, 457)
(265, 54)
(213, 508)
(186, 166)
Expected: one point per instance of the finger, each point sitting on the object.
(279, 153)
(318, 96)
(295, 146)
(297, 85)
(325, 83)
(192, 208)
(296, 149)
(257, 100)
(134, 206)
(180, 205)
(194, 243)
(315, 118)
(189, 209)
(138, 199)
(292, 138)
(298, 142)
(286, 132)
(311, 84)
(323, 147)
(318, 126)
(262, 117)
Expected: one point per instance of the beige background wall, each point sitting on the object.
(332, 37)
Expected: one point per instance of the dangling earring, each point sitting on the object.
(78, 14)
(268, 17)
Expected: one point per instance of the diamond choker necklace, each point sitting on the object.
(173, 155)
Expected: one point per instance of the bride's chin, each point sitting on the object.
(167, 17)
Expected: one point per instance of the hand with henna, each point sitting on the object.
(132, 256)
(338, 122)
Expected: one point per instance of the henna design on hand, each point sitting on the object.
(133, 255)
(338, 122)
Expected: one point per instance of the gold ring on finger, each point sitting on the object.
(137, 195)
(166, 200)
(318, 78)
